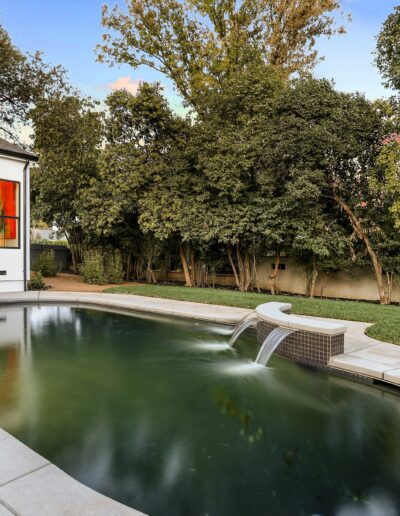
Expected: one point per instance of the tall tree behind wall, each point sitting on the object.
(142, 148)
(67, 137)
(335, 138)
(198, 44)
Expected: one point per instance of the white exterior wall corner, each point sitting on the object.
(12, 260)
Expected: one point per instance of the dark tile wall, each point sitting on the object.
(303, 346)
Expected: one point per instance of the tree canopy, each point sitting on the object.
(67, 138)
(24, 80)
(271, 162)
(198, 44)
(388, 50)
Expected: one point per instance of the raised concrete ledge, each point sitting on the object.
(275, 313)
(132, 303)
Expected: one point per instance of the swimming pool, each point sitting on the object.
(161, 415)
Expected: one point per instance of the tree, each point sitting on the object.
(388, 50)
(198, 44)
(67, 138)
(238, 190)
(336, 137)
(386, 179)
(322, 245)
(143, 141)
(24, 80)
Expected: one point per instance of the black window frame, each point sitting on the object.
(14, 218)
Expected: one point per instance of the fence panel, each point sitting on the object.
(61, 253)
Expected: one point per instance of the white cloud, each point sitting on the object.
(125, 83)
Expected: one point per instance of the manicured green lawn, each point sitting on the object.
(386, 319)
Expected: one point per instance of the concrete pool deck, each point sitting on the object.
(31, 486)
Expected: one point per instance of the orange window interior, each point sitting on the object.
(8, 207)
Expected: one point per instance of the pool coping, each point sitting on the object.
(30, 484)
(363, 356)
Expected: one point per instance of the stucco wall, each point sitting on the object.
(12, 260)
(359, 283)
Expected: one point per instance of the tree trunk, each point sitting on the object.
(248, 278)
(389, 279)
(245, 273)
(274, 274)
(325, 283)
(237, 281)
(192, 270)
(128, 266)
(313, 279)
(74, 257)
(186, 272)
(241, 269)
(254, 273)
(75, 241)
(364, 237)
(150, 278)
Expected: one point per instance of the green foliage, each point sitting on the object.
(388, 50)
(92, 268)
(67, 138)
(113, 268)
(36, 282)
(40, 241)
(25, 80)
(199, 44)
(140, 132)
(387, 177)
(102, 266)
(46, 264)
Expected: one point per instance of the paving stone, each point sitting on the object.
(16, 459)
(5, 512)
(392, 376)
(359, 365)
(388, 354)
(50, 492)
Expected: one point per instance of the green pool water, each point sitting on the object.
(159, 415)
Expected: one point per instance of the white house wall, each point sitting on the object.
(12, 260)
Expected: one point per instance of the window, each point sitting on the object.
(9, 214)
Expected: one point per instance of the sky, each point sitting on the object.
(67, 32)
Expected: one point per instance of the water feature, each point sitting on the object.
(131, 407)
(270, 344)
(242, 326)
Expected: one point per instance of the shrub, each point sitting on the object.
(100, 267)
(36, 282)
(114, 270)
(46, 264)
(92, 268)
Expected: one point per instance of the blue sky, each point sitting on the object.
(67, 31)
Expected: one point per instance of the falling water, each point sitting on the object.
(271, 343)
(241, 326)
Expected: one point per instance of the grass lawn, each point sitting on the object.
(386, 319)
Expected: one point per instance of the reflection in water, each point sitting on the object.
(159, 415)
(15, 346)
